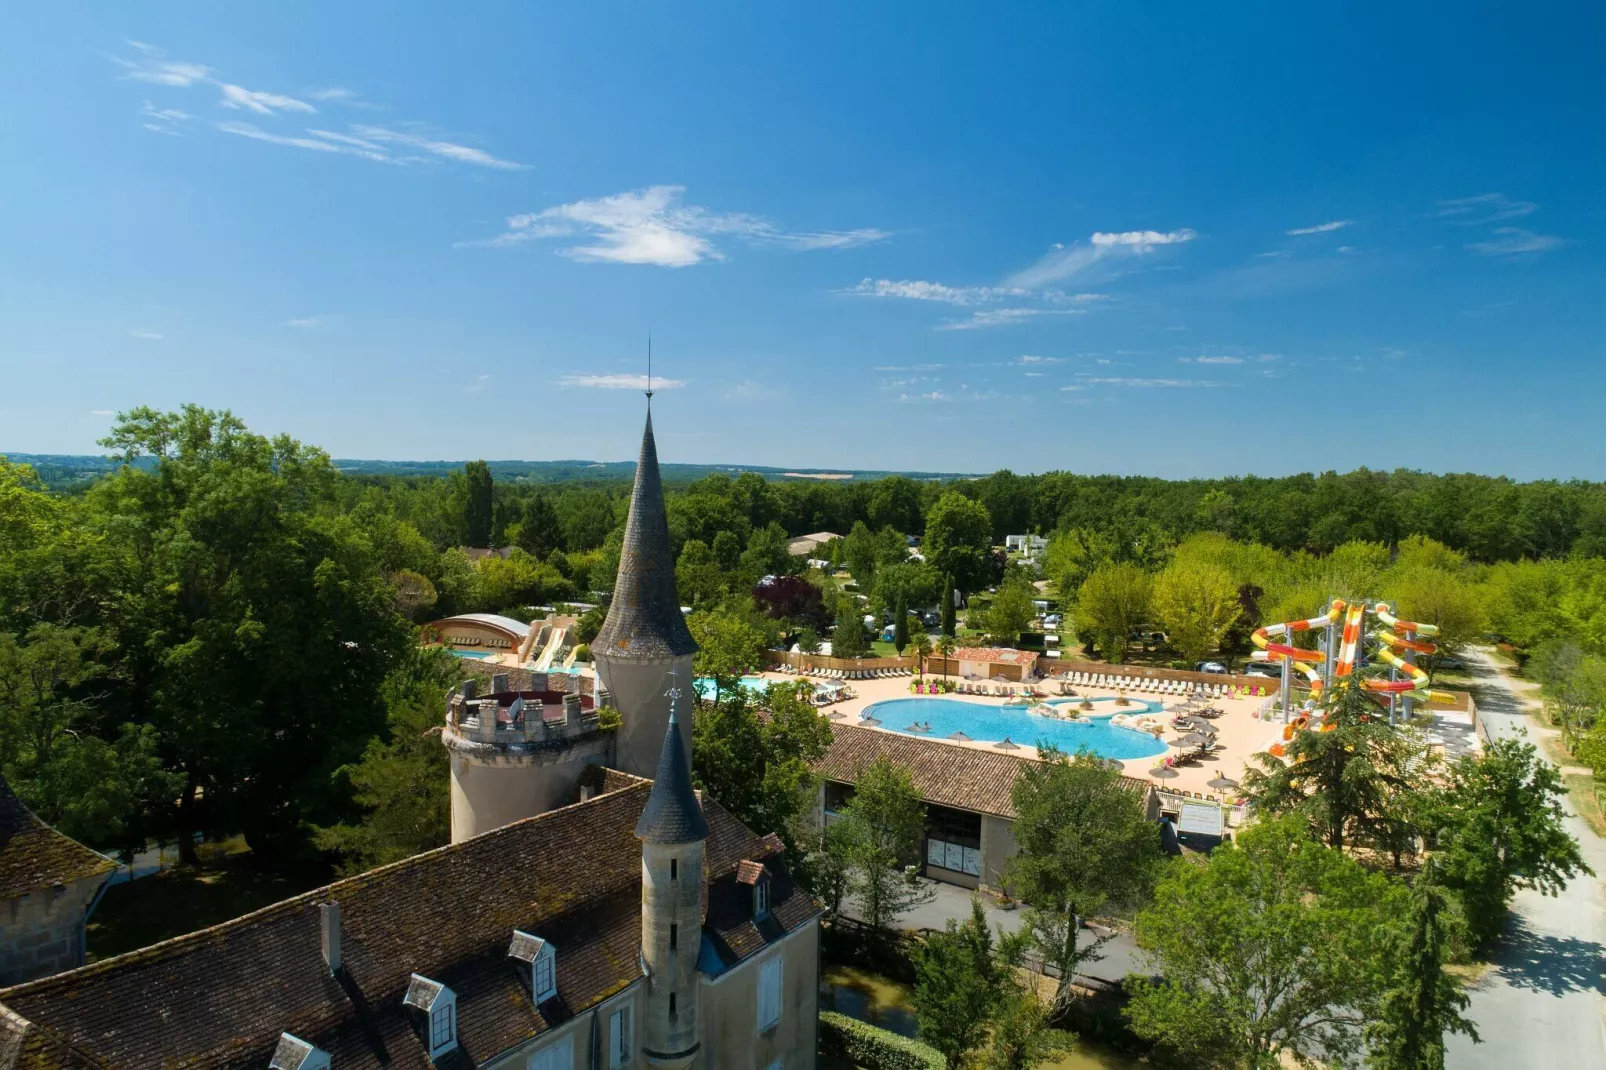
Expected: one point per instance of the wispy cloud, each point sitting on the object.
(316, 144)
(1178, 384)
(621, 382)
(1004, 317)
(1321, 228)
(310, 323)
(917, 290)
(238, 97)
(1064, 261)
(749, 390)
(444, 149)
(929, 396)
(145, 333)
(1484, 208)
(403, 144)
(907, 367)
(1029, 359)
(652, 226)
(101, 412)
(1227, 358)
(478, 385)
(1515, 241)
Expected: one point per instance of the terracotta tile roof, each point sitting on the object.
(962, 778)
(748, 871)
(221, 997)
(997, 654)
(34, 856)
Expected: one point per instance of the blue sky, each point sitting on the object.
(1178, 240)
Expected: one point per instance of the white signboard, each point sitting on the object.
(1203, 819)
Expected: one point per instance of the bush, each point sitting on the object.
(582, 652)
(866, 1046)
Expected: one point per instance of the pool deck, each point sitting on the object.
(1239, 734)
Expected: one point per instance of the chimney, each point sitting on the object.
(468, 689)
(571, 710)
(499, 684)
(604, 697)
(329, 934)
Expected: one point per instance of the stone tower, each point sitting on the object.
(644, 644)
(672, 831)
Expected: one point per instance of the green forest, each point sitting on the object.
(216, 633)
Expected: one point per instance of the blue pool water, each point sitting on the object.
(477, 655)
(993, 723)
(756, 684)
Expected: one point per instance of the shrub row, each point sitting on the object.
(867, 1046)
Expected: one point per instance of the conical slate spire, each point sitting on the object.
(672, 814)
(644, 620)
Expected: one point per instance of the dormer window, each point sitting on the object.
(756, 877)
(439, 1006)
(293, 1053)
(542, 958)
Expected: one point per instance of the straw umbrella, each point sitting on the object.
(1221, 782)
(869, 722)
(959, 737)
(1164, 772)
(1005, 744)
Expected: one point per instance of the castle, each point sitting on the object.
(522, 751)
(583, 917)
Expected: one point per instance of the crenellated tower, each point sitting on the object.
(644, 644)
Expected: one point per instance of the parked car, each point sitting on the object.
(1264, 668)
(1451, 663)
(1052, 620)
(1211, 666)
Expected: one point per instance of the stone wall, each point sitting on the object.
(42, 933)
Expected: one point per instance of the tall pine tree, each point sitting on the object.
(900, 626)
(948, 604)
(477, 503)
(1421, 1003)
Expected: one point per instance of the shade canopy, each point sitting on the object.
(1222, 783)
(1164, 772)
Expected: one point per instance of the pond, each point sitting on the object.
(883, 1002)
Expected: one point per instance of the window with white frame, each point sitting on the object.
(769, 993)
(442, 1026)
(619, 1045)
(559, 1056)
(761, 899)
(544, 974)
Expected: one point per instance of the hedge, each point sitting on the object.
(866, 1046)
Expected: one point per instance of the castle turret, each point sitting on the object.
(644, 643)
(672, 831)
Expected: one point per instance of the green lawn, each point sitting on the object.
(181, 900)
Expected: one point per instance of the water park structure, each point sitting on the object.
(1353, 633)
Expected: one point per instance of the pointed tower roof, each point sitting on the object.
(672, 813)
(644, 620)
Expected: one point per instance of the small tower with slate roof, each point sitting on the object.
(672, 831)
(644, 642)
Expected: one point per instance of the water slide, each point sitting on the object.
(1394, 638)
(1303, 660)
(550, 651)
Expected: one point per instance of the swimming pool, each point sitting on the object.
(756, 684)
(477, 655)
(992, 723)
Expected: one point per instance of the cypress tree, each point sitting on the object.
(1421, 1003)
(477, 503)
(900, 626)
(948, 604)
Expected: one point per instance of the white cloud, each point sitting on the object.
(478, 386)
(1155, 383)
(1028, 359)
(622, 382)
(316, 144)
(1074, 386)
(1484, 208)
(154, 67)
(1035, 375)
(1004, 317)
(651, 226)
(1212, 360)
(1064, 261)
(1348, 250)
(1321, 228)
(101, 412)
(932, 396)
(1514, 241)
(748, 390)
(917, 290)
(308, 323)
(239, 97)
(445, 149)
(339, 94)
(166, 115)
(907, 367)
(156, 128)
(145, 333)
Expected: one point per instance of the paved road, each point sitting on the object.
(1540, 1006)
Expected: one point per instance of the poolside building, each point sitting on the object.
(995, 663)
(970, 815)
(480, 633)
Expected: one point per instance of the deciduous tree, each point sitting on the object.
(1111, 604)
(1196, 602)
(880, 832)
